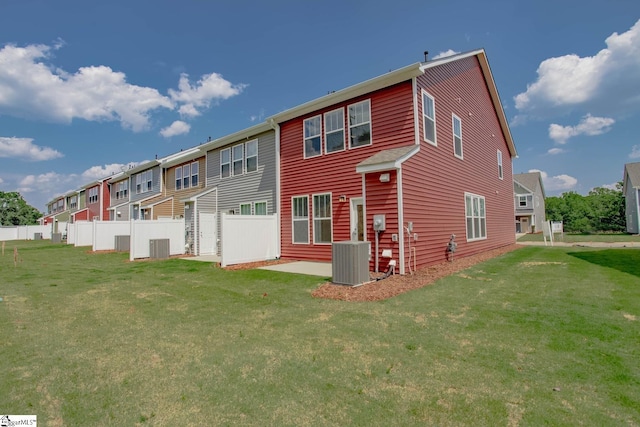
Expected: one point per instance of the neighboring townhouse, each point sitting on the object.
(529, 197)
(144, 184)
(78, 205)
(119, 189)
(427, 147)
(97, 200)
(631, 191)
(57, 212)
(181, 175)
(241, 179)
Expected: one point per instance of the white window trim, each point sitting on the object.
(246, 158)
(293, 220)
(266, 207)
(313, 217)
(500, 167)
(425, 117)
(360, 124)
(305, 137)
(324, 122)
(475, 196)
(453, 130)
(178, 183)
(197, 164)
(226, 163)
(250, 208)
(234, 160)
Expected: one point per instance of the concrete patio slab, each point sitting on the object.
(303, 267)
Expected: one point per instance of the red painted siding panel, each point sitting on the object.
(382, 198)
(335, 173)
(435, 181)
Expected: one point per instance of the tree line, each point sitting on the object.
(602, 210)
(14, 210)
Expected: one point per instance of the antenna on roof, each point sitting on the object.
(426, 55)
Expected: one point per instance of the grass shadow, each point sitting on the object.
(625, 260)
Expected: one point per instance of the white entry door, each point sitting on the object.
(208, 235)
(357, 220)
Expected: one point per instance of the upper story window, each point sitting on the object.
(429, 117)
(179, 178)
(195, 174)
(122, 189)
(238, 159)
(73, 202)
(251, 156)
(187, 176)
(457, 136)
(500, 164)
(360, 124)
(60, 205)
(312, 133)
(334, 131)
(476, 217)
(93, 195)
(144, 181)
(523, 201)
(225, 163)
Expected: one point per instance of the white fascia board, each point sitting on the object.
(244, 134)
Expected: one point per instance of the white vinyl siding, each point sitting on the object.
(312, 136)
(429, 118)
(300, 219)
(322, 218)
(475, 216)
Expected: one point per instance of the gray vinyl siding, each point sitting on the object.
(155, 186)
(258, 186)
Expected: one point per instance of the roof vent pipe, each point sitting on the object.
(426, 55)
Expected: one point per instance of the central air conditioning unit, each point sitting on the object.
(122, 243)
(350, 263)
(159, 248)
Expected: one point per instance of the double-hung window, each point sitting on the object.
(429, 118)
(359, 124)
(73, 202)
(334, 131)
(476, 217)
(122, 188)
(144, 181)
(186, 176)
(322, 218)
(238, 159)
(225, 163)
(260, 208)
(522, 201)
(457, 136)
(251, 156)
(245, 208)
(93, 195)
(500, 164)
(178, 177)
(300, 219)
(194, 174)
(312, 136)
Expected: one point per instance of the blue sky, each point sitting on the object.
(88, 87)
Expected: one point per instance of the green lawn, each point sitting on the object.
(540, 336)
(583, 238)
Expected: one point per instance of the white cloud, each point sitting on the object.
(177, 128)
(635, 152)
(1, 180)
(31, 88)
(446, 53)
(613, 186)
(47, 183)
(602, 80)
(99, 172)
(24, 148)
(554, 151)
(589, 125)
(558, 182)
(210, 88)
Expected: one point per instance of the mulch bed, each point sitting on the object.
(397, 284)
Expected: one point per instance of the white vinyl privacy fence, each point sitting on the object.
(24, 232)
(142, 232)
(80, 233)
(105, 232)
(249, 238)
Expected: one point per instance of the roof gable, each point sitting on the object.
(531, 181)
(632, 172)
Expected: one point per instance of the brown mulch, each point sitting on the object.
(397, 284)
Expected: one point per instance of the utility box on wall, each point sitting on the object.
(350, 262)
(122, 243)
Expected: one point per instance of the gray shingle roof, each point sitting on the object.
(387, 156)
(632, 170)
(529, 180)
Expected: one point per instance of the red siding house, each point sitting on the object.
(98, 200)
(425, 148)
